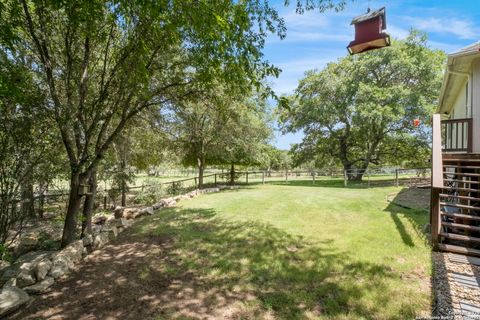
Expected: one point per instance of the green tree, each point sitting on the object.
(103, 63)
(360, 110)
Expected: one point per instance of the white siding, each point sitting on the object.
(460, 110)
(476, 106)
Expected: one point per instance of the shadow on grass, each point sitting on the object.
(191, 264)
(417, 218)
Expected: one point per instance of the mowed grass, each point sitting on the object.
(295, 251)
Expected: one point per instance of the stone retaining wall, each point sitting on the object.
(35, 272)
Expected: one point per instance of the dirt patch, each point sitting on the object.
(133, 278)
(413, 198)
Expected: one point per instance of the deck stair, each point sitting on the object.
(459, 202)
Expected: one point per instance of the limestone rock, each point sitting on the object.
(129, 213)
(12, 282)
(73, 251)
(122, 223)
(61, 265)
(66, 259)
(4, 265)
(119, 212)
(99, 219)
(12, 298)
(42, 268)
(26, 244)
(112, 233)
(87, 240)
(40, 287)
(148, 210)
(8, 273)
(25, 278)
(100, 240)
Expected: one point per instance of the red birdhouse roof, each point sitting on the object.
(370, 15)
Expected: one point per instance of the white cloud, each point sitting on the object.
(293, 71)
(464, 29)
(314, 26)
(397, 32)
(307, 20)
(294, 36)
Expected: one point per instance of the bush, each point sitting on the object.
(175, 188)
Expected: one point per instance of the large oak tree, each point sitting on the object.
(360, 110)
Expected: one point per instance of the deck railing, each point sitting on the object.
(457, 135)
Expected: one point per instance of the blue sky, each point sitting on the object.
(314, 39)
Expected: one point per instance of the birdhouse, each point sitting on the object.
(83, 189)
(369, 33)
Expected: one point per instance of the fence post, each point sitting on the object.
(345, 178)
(396, 177)
(286, 176)
(313, 176)
(215, 179)
(246, 177)
(368, 177)
(105, 202)
(195, 181)
(263, 177)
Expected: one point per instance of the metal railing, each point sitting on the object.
(457, 135)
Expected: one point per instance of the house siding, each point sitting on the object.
(476, 105)
(459, 110)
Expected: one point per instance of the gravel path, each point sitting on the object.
(452, 295)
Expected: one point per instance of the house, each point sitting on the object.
(455, 201)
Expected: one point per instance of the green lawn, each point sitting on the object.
(298, 251)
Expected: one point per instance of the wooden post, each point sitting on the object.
(368, 179)
(263, 177)
(286, 176)
(195, 181)
(435, 224)
(105, 202)
(396, 177)
(215, 179)
(345, 178)
(313, 176)
(246, 177)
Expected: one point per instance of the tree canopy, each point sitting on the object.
(360, 110)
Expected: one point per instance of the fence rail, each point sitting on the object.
(107, 197)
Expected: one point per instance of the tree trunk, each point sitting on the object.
(123, 168)
(89, 204)
(232, 174)
(201, 169)
(28, 208)
(74, 201)
(41, 201)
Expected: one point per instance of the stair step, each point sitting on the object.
(456, 205)
(461, 189)
(460, 258)
(460, 237)
(445, 195)
(462, 181)
(460, 160)
(458, 249)
(460, 166)
(460, 226)
(460, 215)
(464, 174)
